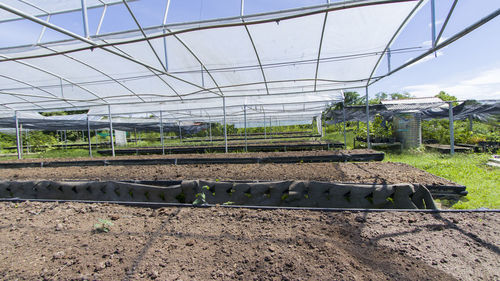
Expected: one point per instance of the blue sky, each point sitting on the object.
(468, 68)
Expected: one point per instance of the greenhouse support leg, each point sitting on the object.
(245, 117)
(18, 139)
(88, 136)
(210, 129)
(65, 140)
(265, 133)
(161, 134)
(180, 132)
(367, 121)
(452, 136)
(27, 141)
(111, 138)
(270, 128)
(135, 135)
(96, 140)
(225, 125)
(343, 121)
(470, 123)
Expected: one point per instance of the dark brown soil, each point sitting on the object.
(208, 155)
(53, 241)
(371, 172)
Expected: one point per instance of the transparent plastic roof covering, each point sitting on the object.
(283, 63)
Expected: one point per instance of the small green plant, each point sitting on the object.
(201, 198)
(102, 226)
(228, 203)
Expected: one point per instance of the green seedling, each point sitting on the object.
(201, 198)
(228, 203)
(102, 226)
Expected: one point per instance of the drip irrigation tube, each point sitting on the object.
(153, 205)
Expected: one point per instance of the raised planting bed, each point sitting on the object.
(446, 148)
(205, 149)
(229, 159)
(311, 194)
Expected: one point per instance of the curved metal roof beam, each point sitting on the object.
(319, 49)
(200, 62)
(58, 76)
(92, 43)
(18, 97)
(316, 10)
(400, 28)
(101, 72)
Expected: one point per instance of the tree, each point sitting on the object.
(398, 96)
(446, 97)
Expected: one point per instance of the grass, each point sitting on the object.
(482, 181)
(56, 153)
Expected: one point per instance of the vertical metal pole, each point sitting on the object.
(470, 123)
(88, 135)
(210, 128)
(180, 131)
(242, 8)
(367, 121)
(452, 131)
(245, 117)
(96, 139)
(27, 141)
(21, 137)
(265, 133)
(433, 23)
(270, 128)
(65, 140)
(18, 138)
(343, 121)
(225, 125)
(135, 135)
(161, 134)
(85, 18)
(111, 132)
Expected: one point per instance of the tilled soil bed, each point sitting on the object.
(208, 155)
(369, 172)
(54, 241)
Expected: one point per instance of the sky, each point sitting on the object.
(468, 69)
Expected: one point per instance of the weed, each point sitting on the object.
(102, 226)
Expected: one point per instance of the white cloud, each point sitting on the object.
(484, 85)
(438, 22)
(427, 58)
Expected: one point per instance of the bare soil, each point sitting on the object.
(51, 241)
(370, 172)
(207, 155)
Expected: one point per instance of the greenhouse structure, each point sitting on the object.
(245, 69)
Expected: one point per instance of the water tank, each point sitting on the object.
(408, 129)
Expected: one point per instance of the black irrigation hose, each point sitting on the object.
(153, 205)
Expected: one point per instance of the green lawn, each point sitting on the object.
(482, 181)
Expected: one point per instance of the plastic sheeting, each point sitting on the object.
(302, 52)
(35, 121)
